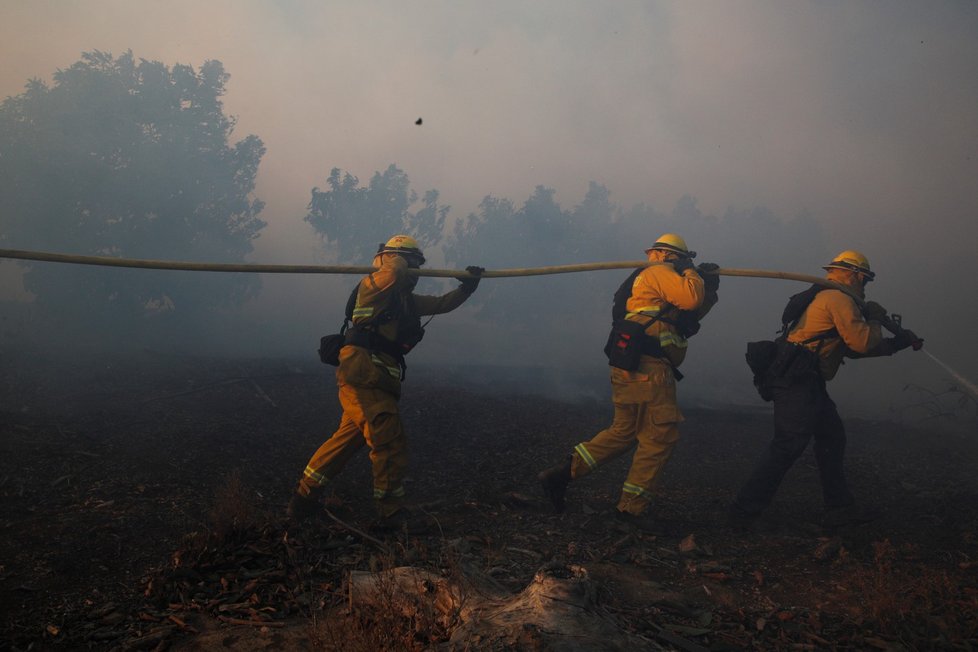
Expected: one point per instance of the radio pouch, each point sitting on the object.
(329, 348)
(626, 343)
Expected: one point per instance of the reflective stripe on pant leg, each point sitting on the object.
(607, 444)
(581, 450)
(385, 436)
(388, 454)
(635, 490)
(314, 477)
(655, 446)
(658, 432)
(388, 503)
(330, 458)
(389, 459)
(380, 494)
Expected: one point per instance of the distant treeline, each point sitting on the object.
(133, 158)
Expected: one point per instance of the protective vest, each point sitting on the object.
(818, 327)
(668, 304)
(780, 362)
(385, 313)
(646, 321)
(399, 310)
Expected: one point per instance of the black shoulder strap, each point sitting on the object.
(619, 310)
(796, 307)
(351, 304)
(391, 310)
(622, 294)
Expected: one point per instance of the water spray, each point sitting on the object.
(970, 386)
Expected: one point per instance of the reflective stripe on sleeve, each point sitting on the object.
(366, 311)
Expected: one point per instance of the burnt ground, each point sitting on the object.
(142, 502)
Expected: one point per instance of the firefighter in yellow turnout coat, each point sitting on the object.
(666, 301)
(386, 325)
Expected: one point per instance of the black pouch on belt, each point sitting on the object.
(760, 356)
(329, 348)
(625, 344)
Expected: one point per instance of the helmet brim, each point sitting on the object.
(411, 254)
(671, 249)
(850, 268)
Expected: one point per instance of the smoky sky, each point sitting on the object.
(857, 112)
(862, 115)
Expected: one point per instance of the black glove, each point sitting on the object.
(873, 311)
(904, 339)
(682, 263)
(468, 285)
(710, 280)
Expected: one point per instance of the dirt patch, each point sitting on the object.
(142, 507)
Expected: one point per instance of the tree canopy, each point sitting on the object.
(128, 158)
(355, 219)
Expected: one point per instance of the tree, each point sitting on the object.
(536, 234)
(355, 219)
(130, 159)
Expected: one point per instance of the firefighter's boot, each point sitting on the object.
(404, 521)
(643, 523)
(304, 505)
(554, 482)
(740, 520)
(849, 515)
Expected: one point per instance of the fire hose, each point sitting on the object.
(892, 323)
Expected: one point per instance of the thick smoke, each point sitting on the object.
(799, 133)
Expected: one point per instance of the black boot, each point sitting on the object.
(849, 515)
(405, 520)
(739, 520)
(554, 482)
(644, 523)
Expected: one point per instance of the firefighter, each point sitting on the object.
(386, 325)
(656, 309)
(831, 327)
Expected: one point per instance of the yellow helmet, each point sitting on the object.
(672, 243)
(404, 245)
(852, 261)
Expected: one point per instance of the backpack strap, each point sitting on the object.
(351, 304)
(649, 345)
(622, 294)
(793, 312)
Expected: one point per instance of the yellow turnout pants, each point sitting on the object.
(369, 388)
(646, 417)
